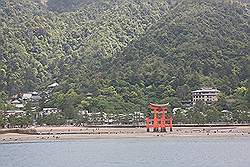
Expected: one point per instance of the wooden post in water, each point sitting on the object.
(155, 126)
(147, 123)
(171, 123)
(163, 120)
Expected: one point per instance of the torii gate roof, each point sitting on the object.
(158, 105)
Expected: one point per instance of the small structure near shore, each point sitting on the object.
(158, 109)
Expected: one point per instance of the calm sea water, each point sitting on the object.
(162, 152)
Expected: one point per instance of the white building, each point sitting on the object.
(207, 95)
(26, 96)
(18, 104)
(53, 85)
(32, 96)
(48, 111)
(15, 113)
(84, 112)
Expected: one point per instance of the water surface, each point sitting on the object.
(138, 152)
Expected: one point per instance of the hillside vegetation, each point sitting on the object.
(125, 52)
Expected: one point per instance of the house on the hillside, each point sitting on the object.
(187, 103)
(53, 85)
(84, 112)
(26, 96)
(208, 95)
(48, 111)
(32, 97)
(89, 95)
(17, 103)
(36, 98)
(15, 113)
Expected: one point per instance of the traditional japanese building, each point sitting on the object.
(207, 95)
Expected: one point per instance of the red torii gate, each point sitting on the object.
(156, 109)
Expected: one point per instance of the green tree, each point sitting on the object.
(2, 120)
(212, 115)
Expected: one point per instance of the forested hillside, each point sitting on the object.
(199, 43)
(54, 45)
(125, 52)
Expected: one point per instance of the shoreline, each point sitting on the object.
(44, 134)
(79, 139)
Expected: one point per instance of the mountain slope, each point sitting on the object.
(200, 43)
(130, 50)
(48, 46)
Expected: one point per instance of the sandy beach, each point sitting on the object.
(77, 133)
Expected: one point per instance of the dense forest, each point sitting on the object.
(125, 52)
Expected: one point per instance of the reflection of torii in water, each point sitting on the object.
(156, 109)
